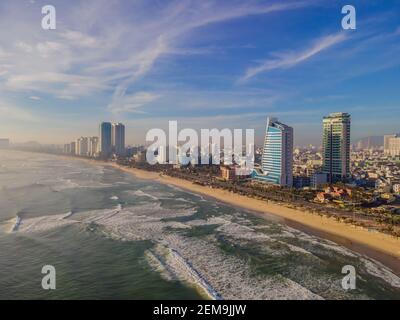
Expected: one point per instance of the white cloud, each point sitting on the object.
(24, 47)
(291, 59)
(13, 113)
(131, 103)
(80, 39)
(110, 51)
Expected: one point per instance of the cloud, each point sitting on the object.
(80, 39)
(131, 103)
(96, 49)
(290, 59)
(34, 98)
(13, 113)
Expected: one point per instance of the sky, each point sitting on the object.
(207, 64)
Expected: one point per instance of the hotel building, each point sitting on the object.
(336, 146)
(277, 157)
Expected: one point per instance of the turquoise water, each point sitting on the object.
(110, 235)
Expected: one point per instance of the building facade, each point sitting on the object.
(73, 148)
(277, 157)
(93, 146)
(82, 146)
(105, 143)
(118, 139)
(392, 145)
(336, 146)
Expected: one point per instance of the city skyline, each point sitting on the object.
(201, 64)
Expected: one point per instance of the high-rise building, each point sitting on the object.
(67, 148)
(118, 138)
(82, 146)
(336, 146)
(392, 145)
(277, 157)
(73, 148)
(93, 146)
(105, 140)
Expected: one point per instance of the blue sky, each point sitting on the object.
(204, 63)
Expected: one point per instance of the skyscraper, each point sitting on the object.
(93, 146)
(336, 146)
(105, 140)
(73, 148)
(82, 146)
(118, 138)
(277, 157)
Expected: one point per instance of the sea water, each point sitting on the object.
(110, 235)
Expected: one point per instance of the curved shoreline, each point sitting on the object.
(379, 246)
(376, 245)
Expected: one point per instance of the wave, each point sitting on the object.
(66, 216)
(42, 224)
(198, 278)
(377, 269)
(140, 193)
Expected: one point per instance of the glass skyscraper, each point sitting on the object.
(336, 146)
(105, 140)
(118, 138)
(277, 158)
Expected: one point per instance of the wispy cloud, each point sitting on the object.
(11, 112)
(111, 50)
(131, 103)
(285, 60)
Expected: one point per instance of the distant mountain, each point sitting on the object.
(373, 142)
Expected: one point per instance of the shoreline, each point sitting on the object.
(376, 245)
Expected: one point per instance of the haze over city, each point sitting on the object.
(204, 63)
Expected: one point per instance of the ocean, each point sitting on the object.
(110, 235)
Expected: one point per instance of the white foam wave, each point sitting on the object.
(66, 216)
(140, 193)
(376, 269)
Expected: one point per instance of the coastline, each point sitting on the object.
(379, 246)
